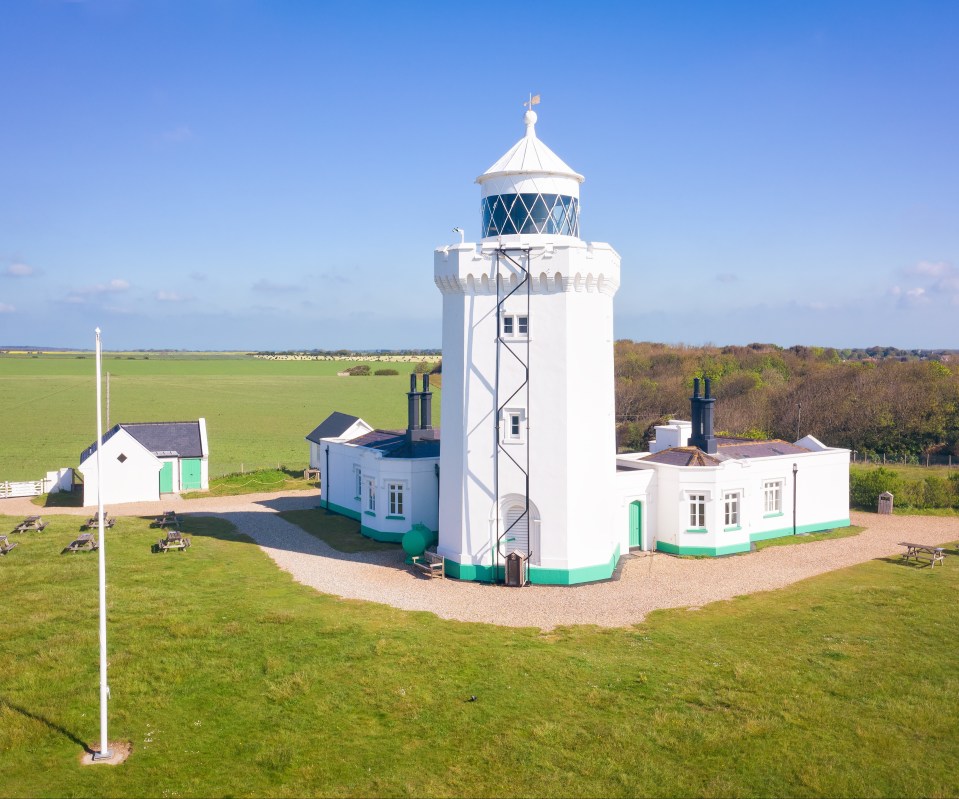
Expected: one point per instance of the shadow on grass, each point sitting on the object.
(61, 499)
(50, 725)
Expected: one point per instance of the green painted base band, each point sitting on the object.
(672, 549)
(817, 527)
(379, 535)
(537, 575)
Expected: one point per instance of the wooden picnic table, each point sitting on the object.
(94, 520)
(166, 519)
(30, 523)
(83, 541)
(174, 540)
(6, 545)
(923, 551)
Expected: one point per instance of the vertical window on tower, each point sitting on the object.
(507, 325)
(522, 325)
(697, 511)
(514, 423)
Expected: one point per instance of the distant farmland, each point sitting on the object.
(257, 410)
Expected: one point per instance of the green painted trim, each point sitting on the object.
(369, 513)
(772, 515)
(672, 549)
(350, 514)
(379, 535)
(400, 518)
(816, 527)
(697, 530)
(537, 574)
(732, 529)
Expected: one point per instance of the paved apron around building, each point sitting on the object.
(647, 583)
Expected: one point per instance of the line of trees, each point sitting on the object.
(885, 405)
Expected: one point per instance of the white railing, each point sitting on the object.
(29, 488)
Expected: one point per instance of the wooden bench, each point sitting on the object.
(174, 540)
(30, 523)
(6, 545)
(431, 564)
(923, 552)
(311, 474)
(84, 541)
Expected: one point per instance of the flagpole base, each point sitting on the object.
(116, 754)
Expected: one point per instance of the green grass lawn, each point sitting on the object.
(231, 679)
(339, 532)
(257, 411)
(231, 485)
(790, 540)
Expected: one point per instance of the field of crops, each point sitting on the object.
(257, 411)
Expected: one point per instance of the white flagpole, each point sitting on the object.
(104, 753)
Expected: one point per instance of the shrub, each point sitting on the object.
(386, 372)
(422, 368)
(361, 370)
(866, 486)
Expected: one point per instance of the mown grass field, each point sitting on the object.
(230, 679)
(257, 411)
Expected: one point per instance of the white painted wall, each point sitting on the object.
(571, 430)
(358, 428)
(137, 479)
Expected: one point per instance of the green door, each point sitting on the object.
(189, 474)
(166, 478)
(636, 524)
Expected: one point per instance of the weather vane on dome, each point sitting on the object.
(533, 100)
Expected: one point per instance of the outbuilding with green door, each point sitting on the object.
(144, 460)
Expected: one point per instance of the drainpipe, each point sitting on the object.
(326, 480)
(795, 473)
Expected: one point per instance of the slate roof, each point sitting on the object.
(166, 438)
(394, 444)
(727, 449)
(682, 456)
(333, 426)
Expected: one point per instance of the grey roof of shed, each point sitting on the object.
(333, 426)
(166, 438)
(394, 444)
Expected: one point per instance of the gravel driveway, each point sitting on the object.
(647, 583)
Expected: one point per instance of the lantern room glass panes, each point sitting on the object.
(509, 214)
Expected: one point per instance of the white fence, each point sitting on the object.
(60, 480)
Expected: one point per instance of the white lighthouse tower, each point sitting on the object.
(529, 453)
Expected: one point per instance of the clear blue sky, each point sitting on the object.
(231, 174)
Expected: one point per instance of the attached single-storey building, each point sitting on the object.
(695, 493)
(143, 460)
(338, 427)
(388, 480)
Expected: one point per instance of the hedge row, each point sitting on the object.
(930, 491)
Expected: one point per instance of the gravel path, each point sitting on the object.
(647, 583)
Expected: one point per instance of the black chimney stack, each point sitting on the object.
(426, 407)
(413, 421)
(702, 409)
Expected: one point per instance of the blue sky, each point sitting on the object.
(231, 174)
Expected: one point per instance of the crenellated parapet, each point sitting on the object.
(572, 266)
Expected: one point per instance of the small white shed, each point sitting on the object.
(143, 460)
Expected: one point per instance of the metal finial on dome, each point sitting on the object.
(529, 118)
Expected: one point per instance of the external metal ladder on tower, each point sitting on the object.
(504, 347)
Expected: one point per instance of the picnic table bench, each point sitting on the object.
(6, 545)
(174, 540)
(83, 541)
(166, 519)
(94, 520)
(922, 551)
(30, 523)
(309, 474)
(431, 564)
